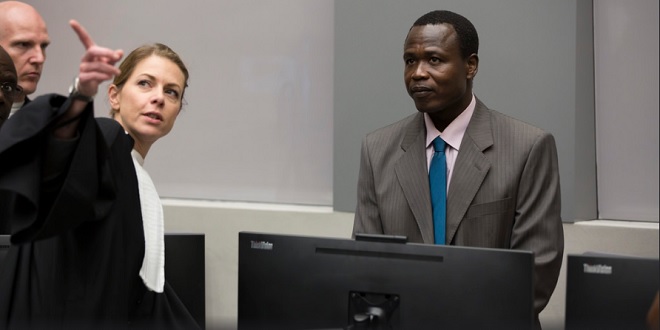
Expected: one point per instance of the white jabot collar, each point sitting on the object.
(153, 264)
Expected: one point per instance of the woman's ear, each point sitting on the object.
(114, 97)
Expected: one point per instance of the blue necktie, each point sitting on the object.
(438, 183)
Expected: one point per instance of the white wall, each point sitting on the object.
(258, 121)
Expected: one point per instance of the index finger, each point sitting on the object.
(82, 34)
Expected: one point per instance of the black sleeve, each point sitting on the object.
(43, 201)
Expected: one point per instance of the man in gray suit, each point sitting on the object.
(502, 174)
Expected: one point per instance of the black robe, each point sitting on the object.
(77, 238)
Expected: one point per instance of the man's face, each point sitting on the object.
(25, 38)
(8, 79)
(436, 75)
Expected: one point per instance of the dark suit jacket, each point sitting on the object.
(504, 192)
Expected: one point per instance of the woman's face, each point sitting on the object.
(149, 102)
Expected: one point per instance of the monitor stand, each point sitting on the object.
(373, 311)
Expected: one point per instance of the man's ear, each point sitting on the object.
(113, 96)
(472, 66)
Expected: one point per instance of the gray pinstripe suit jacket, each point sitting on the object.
(504, 192)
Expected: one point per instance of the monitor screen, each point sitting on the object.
(302, 282)
(609, 291)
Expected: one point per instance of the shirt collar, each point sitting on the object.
(15, 107)
(136, 155)
(453, 134)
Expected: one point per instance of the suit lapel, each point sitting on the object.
(411, 172)
(470, 168)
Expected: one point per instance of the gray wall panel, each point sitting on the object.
(626, 64)
(528, 60)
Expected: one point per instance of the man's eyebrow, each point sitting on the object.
(425, 51)
(21, 41)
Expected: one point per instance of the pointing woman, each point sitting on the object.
(87, 224)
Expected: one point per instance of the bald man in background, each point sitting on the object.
(24, 36)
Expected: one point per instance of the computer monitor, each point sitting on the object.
(303, 282)
(609, 291)
(185, 270)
